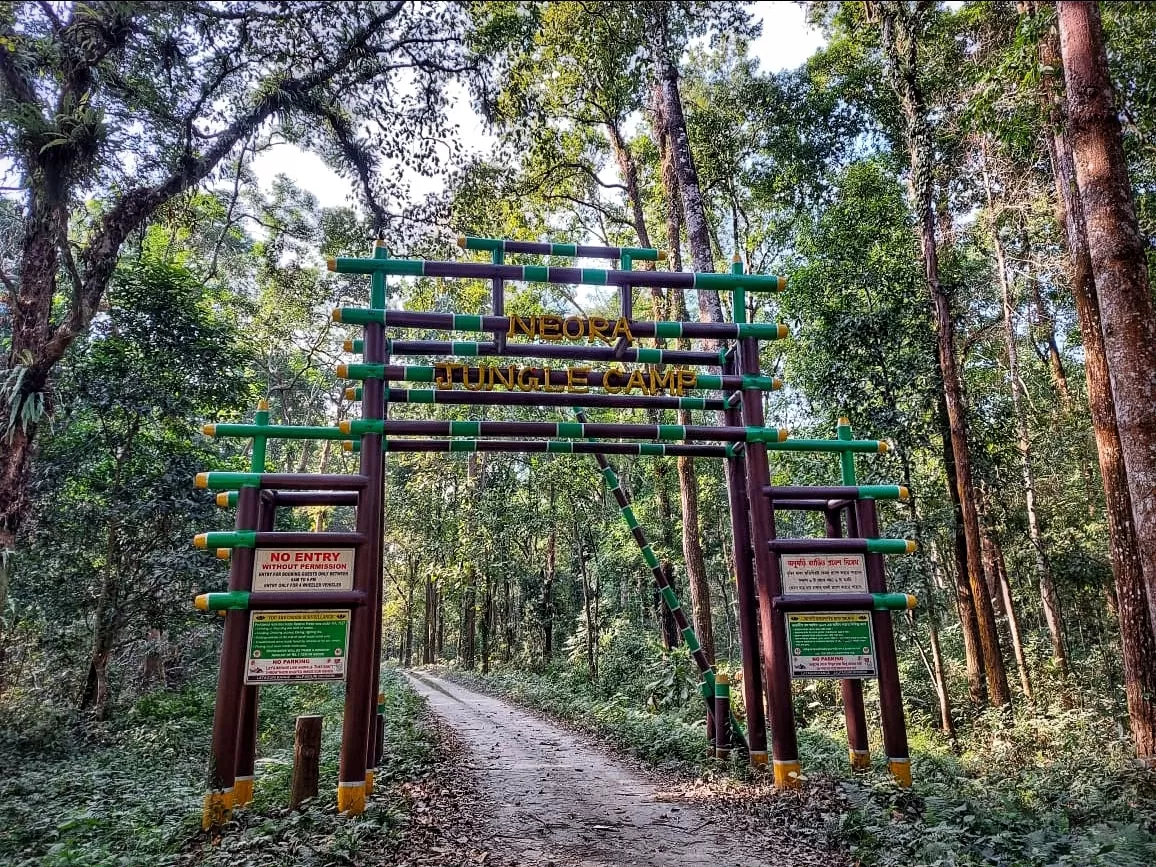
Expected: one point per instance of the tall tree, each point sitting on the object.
(900, 24)
(1119, 264)
(1133, 585)
(133, 104)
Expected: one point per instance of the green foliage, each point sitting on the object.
(130, 793)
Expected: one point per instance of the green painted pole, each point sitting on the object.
(669, 597)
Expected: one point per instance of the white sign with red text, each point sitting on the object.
(304, 570)
(823, 573)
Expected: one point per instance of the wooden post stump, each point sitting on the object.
(306, 760)
(722, 716)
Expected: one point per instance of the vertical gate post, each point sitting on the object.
(722, 716)
(218, 803)
(890, 698)
(377, 299)
(359, 691)
(858, 748)
(784, 741)
(306, 760)
(854, 712)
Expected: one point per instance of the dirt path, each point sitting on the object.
(555, 798)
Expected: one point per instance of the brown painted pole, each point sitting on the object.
(377, 546)
(784, 741)
(218, 803)
(890, 698)
(722, 716)
(250, 697)
(854, 711)
(736, 476)
(359, 691)
(306, 760)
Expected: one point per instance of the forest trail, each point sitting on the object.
(553, 797)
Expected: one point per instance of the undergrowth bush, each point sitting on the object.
(1029, 789)
(129, 792)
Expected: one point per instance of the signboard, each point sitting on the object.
(831, 644)
(303, 570)
(823, 573)
(297, 646)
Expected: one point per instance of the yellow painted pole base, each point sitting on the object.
(860, 759)
(351, 798)
(217, 809)
(242, 791)
(759, 760)
(369, 776)
(900, 770)
(788, 774)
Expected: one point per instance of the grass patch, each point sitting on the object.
(130, 793)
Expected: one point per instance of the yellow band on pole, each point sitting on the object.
(262, 405)
(351, 798)
(201, 602)
(860, 759)
(911, 601)
(351, 393)
(759, 759)
(201, 540)
(901, 771)
(663, 255)
(331, 264)
(343, 370)
(347, 345)
(224, 553)
(217, 809)
(904, 494)
(783, 434)
(223, 499)
(344, 426)
(788, 774)
(242, 791)
(912, 546)
(347, 445)
(209, 430)
(844, 421)
(201, 481)
(336, 314)
(462, 241)
(783, 331)
(782, 283)
(884, 447)
(369, 777)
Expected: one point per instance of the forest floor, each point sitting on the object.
(550, 796)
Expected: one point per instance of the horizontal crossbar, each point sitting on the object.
(539, 398)
(567, 276)
(577, 251)
(534, 379)
(471, 322)
(843, 546)
(562, 429)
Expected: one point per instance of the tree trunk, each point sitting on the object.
(587, 604)
(1119, 264)
(681, 185)
(469, 619)
(993, 559)
(548, 593)
(1049, 596)
(407, 661)
(1137, 637)
(964, 601)
(900, 44)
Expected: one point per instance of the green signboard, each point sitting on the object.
(831, 644)
(297, 646)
